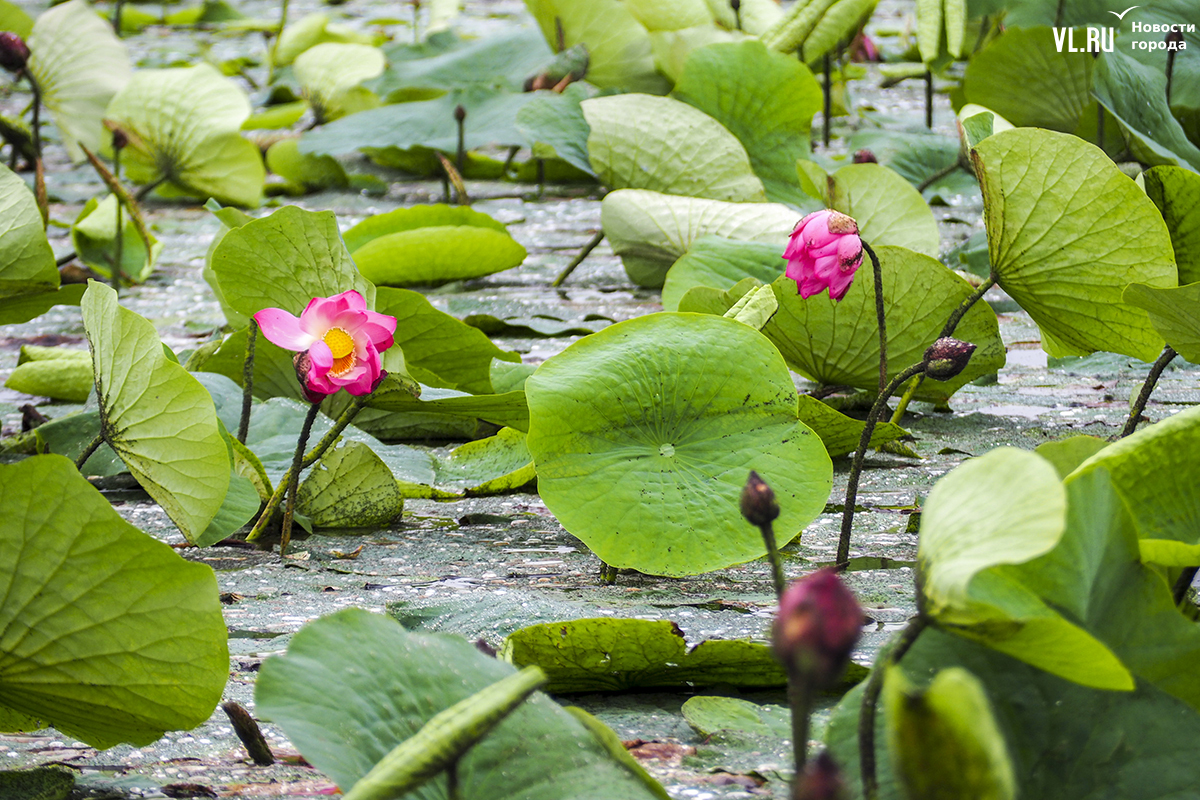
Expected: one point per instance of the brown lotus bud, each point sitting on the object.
(758, 501)
(1174, 36)
(947, 357)
(460, 114)
(119, 139)
(818, 625)
(14, 53)
(865, 156)
(301, 363)
(736, 5)
(822, 780)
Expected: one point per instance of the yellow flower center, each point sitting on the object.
(341, 344)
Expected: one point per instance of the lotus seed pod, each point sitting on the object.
(947, 357)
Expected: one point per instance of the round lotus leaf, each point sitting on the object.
(643, 435)
(437, 254)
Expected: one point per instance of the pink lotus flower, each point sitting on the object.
(342, 339)
(824, 252)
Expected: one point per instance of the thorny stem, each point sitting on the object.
(768, 535)
(1143, 397)
(268, 513)
(293, 481)
(87, 451)
(577, 260)
(879, 315)
(843, 554)
(870, 699)
(947, 330)
(247, 381)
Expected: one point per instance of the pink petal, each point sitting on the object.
(320, 359)
(283, 329)
(839, 284)
(321, 356)
(318, 316)
(351, 300)
(798, 268)
(810, 285)
(850, 253)
(826, 267)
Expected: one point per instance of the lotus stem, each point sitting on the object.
(39, 172)
(828, 101)
(145, 191)
(293, 481)
(608, 574)
(130, 202)
(87, 451)
(249, 733)
(843, 553)
(119, 244)
(274, 48)
(800, 700)
(890, 656)
(1139, 405)
(247, 381)
(947, 330)
(929, 99)
(879, 315)
(116, 20)
(577, 260)
(937, 176)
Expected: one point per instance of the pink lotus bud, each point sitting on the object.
(14, 53)
(818, 625)
(758, 501)
(947, 357)
(865, 156)
(340, 339)
(822, 780)
(823, 253)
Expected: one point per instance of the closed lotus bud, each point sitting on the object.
(1174, 36)
(865, 156)
(947, 357)
(822, 780)
(120, 139)
(460, 114)
(758, 501)
(818, 625)
(13, 52)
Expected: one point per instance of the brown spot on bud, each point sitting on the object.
(947, 357)
(840, 223)
(758, 501)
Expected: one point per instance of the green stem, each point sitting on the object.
(145, 191)
(39, 187)
(947, 330)
(828, 101)
(928, 99)
(866, 718)
(843, 553)
(1143, 397)
(937, 176)
(293, 481)
(87, 451)
(116, 20)
(768, 534)
(274, 48)
(247, 381)
(120, 240)
(879, 315)
(577, 260)
(800, 699)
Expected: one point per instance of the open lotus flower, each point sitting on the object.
(824, 252)
(341, 337)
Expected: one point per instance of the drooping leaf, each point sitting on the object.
(26, 259)
(921, 159)
(1137, 95)
(106, 633)
(184, 127)
(1067, 454)
(1068, 261)
(157, 417)
(766, 99)
(642, 447)
(944, 740)
(79, 64)
(350, 487)
(24, 307)
(500, 61)
(330, 75)
(1174, 313)
(507, 409)
(607, 654)
(1176, 193)
(837, 342)
(555, 126)
(13, 18)
(68, 379)
(310, 172)
(494, 465)
(651, 230)
(378, 684)
(94, 235)
(285, 260)
(422, 245)
(1005, 508)
(840, 433)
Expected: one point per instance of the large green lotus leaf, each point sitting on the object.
(1005, 508)
(1176, 193)
(651, 230)
(13, 18)
(1095, 575)
(58, 379)
(672, 49)
(920, 158)
(555, 126)
(670, 15)
(617, 655)
(80, 64)
(350, 487)
(184, 127)
(310, 31)
(495, 465)
(837, 342)
(414, 217)
(720, 263)
(70, 434)
(638, 141)
(502, 61)
(329, 75)
(440, 350)
(491, 119)
(228, 218)
(157, 417)
(24, 307)
(105, 633)
(26, 259)
(1137, 95)
(437, 254)
(1067, 454)
(1155, 472)
(285, 260)
(94, 235)
(376, 684)
(840, 433)
(507, 409)
(944, 740)
(643, 434)
(766, 99)
(1185, 84)
(618, 46)
(1022, 76)
(1067, 232)
(1065, 740)
(311, 173)
(1175, 314)
(888, 209)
